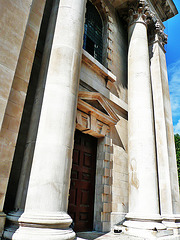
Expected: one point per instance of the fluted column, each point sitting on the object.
(45, 215)
(143, 184)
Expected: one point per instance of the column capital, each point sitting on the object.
(162, 37)
(157, 34)
(140, 12)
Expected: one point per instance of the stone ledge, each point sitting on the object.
(97, 67)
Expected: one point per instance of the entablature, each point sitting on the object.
(151, 14)
(165, 9)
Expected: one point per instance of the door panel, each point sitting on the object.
(82, 188)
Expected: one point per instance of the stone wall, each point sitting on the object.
(111, 194)
(18, 49)
(119, 172)
(23, 142)
(117, 52)
(12, 33)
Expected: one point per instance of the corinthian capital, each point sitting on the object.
(162, 37)
(140, 11)
(156, 34)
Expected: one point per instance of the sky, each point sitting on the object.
(173, 64)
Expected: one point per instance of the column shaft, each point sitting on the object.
(143, 195)
(170, 139)
(160, 129)
(47, 197)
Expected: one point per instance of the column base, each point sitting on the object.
(169, 221)
(177, 221)
(2, 222)
(147, 234)
(12, 223)
(148, 222)
(30, 233)
(172, 222)
(46, 226)
(150, 227)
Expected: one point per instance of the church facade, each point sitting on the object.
(87, 139)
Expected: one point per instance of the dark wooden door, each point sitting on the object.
(82, 188)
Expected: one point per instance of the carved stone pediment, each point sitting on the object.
(94, 114)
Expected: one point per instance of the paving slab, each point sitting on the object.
(112, 236)
(101, 236)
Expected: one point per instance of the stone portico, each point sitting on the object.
(87, 139)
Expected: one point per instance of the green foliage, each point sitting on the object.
(177, 145)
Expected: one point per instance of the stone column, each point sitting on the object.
(45, 215)
(157, 54)
(167, 165)
(174, 182)
(170, 140)
(143, 184)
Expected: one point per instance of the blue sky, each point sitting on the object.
(173, 65)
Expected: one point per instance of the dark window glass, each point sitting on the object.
(93, 32)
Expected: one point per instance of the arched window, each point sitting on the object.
(93, 32)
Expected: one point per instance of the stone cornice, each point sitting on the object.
(165, 9)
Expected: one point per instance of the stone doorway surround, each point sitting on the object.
(95, 117)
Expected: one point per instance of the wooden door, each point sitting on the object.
(82, 188)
